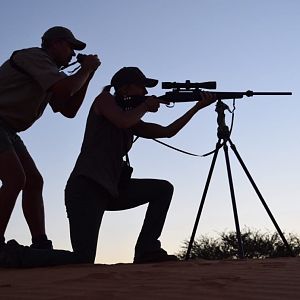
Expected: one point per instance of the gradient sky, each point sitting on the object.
(240, 44)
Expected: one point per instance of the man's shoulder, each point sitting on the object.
(34, 60)
(30, 52)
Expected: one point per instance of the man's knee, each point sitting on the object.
(13, 186)
(34, 182)
(14, 181)
(12, 174)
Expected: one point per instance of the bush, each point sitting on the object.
(256, 245)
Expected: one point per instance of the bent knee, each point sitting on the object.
(166, 187)
(34, 181)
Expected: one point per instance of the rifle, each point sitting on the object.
(191, 91)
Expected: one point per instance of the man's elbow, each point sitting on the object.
(68, 114)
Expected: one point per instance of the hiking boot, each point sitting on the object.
(154, 256)
(11, 254)
(42, 245)
(14, 255)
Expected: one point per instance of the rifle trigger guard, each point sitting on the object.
(171, 105)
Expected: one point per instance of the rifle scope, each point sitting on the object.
(211, 85)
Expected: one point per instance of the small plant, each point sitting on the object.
(256, 245)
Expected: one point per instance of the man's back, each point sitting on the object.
(24, 81)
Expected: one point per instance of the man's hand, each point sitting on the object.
(90, 63)
(68, 93)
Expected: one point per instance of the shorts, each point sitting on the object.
(9, 139)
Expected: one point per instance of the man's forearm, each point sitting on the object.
(75, 83)
(74, 102)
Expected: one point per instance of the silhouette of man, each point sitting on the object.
(30, 80)
(97, 182)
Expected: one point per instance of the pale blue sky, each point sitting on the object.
(240, 44)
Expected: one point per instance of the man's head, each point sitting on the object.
(132, 81)
(61, 33)
(60, 43)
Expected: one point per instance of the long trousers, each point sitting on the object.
(86, 201)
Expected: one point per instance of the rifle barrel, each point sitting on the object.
(195, 95)
(269, 93)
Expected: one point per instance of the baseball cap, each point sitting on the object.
(132, 75)
(60, 32)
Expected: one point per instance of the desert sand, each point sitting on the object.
(277, 278)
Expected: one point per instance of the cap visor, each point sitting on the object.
(151, 82)
(78, 45)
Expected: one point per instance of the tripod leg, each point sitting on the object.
(234, 207)
(187, 256)
(260, 197)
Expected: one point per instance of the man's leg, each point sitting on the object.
(12, 177)
(32, 199)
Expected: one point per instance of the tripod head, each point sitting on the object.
(223, 131)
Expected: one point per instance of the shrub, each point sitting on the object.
(256, 245)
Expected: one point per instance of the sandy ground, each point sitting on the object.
(194, 279)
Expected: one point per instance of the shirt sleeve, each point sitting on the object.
(38, 64)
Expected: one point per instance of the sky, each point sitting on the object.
(242, 45)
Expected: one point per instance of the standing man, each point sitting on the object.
(30, 80)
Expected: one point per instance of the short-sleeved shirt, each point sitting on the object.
(23, 97)
(103, 148)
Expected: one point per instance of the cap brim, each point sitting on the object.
(149, 82)
(78, 45)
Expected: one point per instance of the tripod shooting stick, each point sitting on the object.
(223, 130)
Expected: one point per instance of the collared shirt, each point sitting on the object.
(24, 97)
